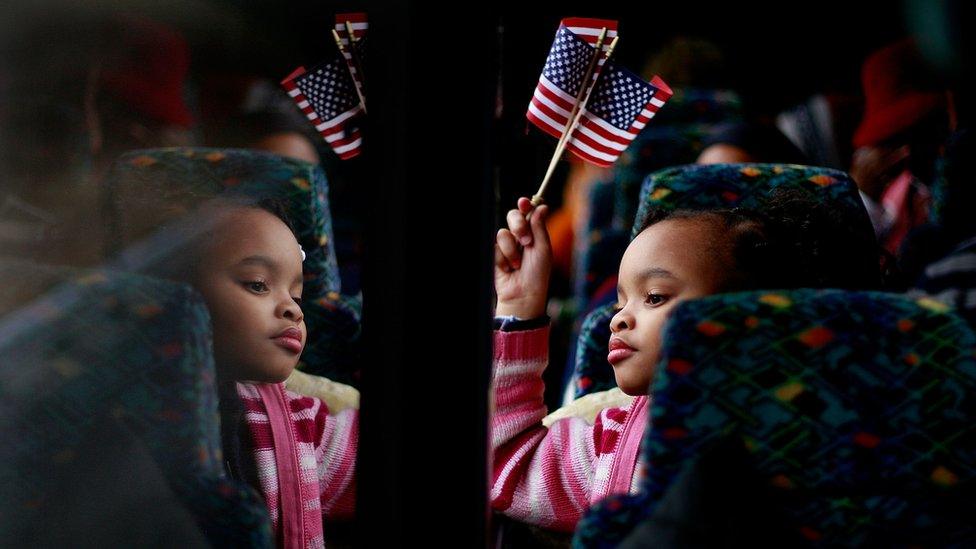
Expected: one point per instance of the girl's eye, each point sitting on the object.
(257, 286)
(617, 307)
(655, 299)
(298, 300)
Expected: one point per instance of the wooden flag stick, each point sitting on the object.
(361, 81)
(584, 90)
(342, 49)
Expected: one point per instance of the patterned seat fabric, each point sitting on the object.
(593, 373)
(150, 188)
(705, 187)
(855, 408)
(748, 185)
(110, 348)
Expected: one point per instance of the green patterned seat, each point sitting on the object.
(854, 409)
(102, 354)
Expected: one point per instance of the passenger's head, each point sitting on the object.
(792, 242)
(247, 264)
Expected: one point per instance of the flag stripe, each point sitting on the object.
(545, 122)
(580, 138)
(344, 140)
(591, 35)
(556, 110)
(598, 134)
(553, 91)
(598, 142)
(350, 146)
(352, 17)
(343, 117)
(335, 138)
(587, 153)
(355, 26)
(606, 128)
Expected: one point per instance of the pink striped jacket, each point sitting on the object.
(305, 460)
(549, 477)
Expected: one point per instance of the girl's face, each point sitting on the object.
(250, 275)
(669, 262)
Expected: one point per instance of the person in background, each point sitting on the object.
(898, 140)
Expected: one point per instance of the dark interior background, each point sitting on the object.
(424, 191)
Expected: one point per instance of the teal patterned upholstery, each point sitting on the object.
(716, 186)
(130, 349)
(592, 372)
(854, 407)
(154, 186)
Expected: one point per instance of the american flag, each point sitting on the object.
(360, 25)
(619, 106)
(564, 70)
(327, 96)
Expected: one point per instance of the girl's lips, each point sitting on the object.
(289, 343)
(618, 355)
(619, 350)
(290, 339)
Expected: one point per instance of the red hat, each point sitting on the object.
(893, 79)
(151, 70)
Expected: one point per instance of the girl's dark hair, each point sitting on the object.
(274, 206)
(187, 236)
(792, 242)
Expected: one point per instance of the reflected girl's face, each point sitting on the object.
(250, 275)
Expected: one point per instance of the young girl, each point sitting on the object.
(548, 477)
(247, 264)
